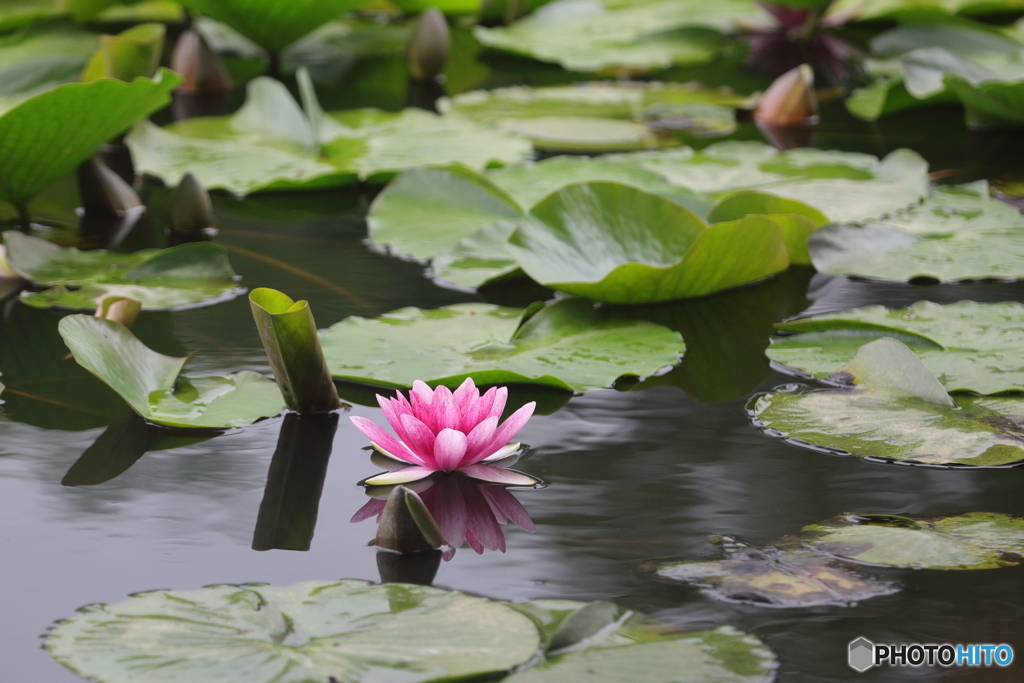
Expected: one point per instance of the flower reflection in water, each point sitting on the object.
(468, 511)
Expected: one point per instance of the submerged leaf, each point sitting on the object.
(569, 344)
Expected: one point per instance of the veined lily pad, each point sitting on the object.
(272, 144)
(844, 186)
(896, 411)
(155, 387)
(569, 345)
(186, 275)
(958, 233)
(773, 577)
(316, 631)
(978, 540)
(639, 35)
(616, 243)
(968, 346)
(49, 134)
(42, 59)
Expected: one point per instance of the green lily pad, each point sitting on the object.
(569, 344)
(894, 412)
(640, 35)
(182, 276)
(867, 10)
(49, 134)
(958, 233)
(155, 387)
(844, 186)
(616, 243)
(316, 631)
(773, 577)
(273, 24)
(38, 60)
(16, 15)
(968, 346)
(272, 144)
(978, 540)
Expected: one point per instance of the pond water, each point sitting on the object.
(632, 476)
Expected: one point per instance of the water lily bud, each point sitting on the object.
(790, 100)
(103, 192)
(202, 69)
(119, 309)
(406, 526)
(429, 45)
(191, 209)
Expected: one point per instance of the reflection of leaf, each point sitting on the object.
(979, 540)
(968, 346)
(569, 344)
(771, 577)
(152, 383)
(885, 416)
(315, 631)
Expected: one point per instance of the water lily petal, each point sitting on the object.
(502, 453)
(478, 409)
(372, 508)
(510, 427)
(477, 440)
(448, 507)
(500, 398)
(399, 476)
(449, 449)
(392, 414)
(421, 389)
(446, 411)
(419, 439)
(482, 529)
(383, 440)
(496, 475)
(507, 507)
(465, 395)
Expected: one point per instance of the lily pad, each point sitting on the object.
(38, 60)
(616, 243)
(978, 540)
(273, 24)
(968, 346)
(894, 413)
(317, 631)
(958, 233)
(772, 577)
(49, 134)
(569, 344)
(844, 186)
(640, 35)
(182, 276)
(155, 387)
(272, 144)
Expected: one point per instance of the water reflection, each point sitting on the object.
(468, 511)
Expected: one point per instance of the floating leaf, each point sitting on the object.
(49, 134)
(615, 243)
(273, 24)
(271, 144)
(568, 344)
(43, 58)
(884, 416)
(796, 219)
(771, 577)
(958, 233)
(978, 540)
(154, 386)
(316, 631)
(867, 10)
(968, 346)
(185, 275)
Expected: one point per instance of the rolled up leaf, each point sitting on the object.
(128, 55)
(120, 309)
(288, 332)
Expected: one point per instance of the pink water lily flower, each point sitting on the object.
(443, 431)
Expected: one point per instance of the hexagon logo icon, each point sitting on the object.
(862, 654)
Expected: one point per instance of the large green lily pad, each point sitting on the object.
(639, 35)
(38, 60)
(958, 233)
(273, 144)
(616, 243)
(346, 631)
(844, 186)
(155, 387)
(978, 540)
(896, 410)
(569, 344)
(49, 134)
(174, 278)
(773, 577)
(968, 346)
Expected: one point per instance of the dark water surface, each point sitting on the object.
(632, 476)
